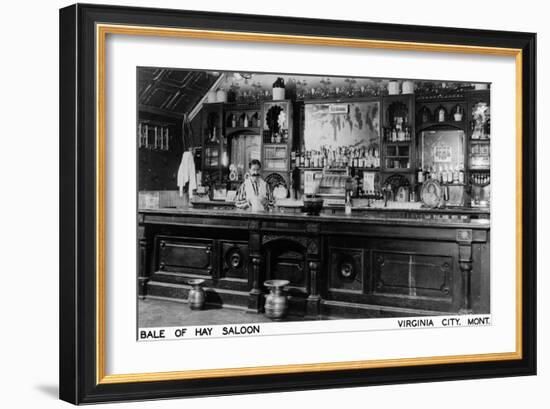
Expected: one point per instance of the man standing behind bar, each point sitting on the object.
(254, 193)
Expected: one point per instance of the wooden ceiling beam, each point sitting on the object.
(199, 104)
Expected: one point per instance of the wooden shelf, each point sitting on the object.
(398, 170)
(338, 169)
(255, 129)
(398, 143)
(481, 141)
(436, 123)
(242, 107)
(343, 99)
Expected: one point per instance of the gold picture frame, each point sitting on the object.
(87, 359)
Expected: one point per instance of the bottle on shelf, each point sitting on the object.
(348, 202)
(441, 114)
(412, 195)
(455, 174)
(400, 134)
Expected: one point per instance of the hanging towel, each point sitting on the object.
(186, 173)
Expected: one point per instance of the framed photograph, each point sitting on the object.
(256, 203)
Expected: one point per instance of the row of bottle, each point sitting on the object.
(397, 134)
(242, 120)
(441, 115)
(336, 157)
(481, 149)
(276, 137)
(480, 178)
(443, 174)
(397, 163)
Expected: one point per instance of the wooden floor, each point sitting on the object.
(167, 313)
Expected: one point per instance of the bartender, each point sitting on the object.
(254, 193)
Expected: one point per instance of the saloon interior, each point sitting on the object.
(380, 195)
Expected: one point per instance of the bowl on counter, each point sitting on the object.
(313, 205)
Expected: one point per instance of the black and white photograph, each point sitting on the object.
(281, 197)
(253, 202)
(278, 204)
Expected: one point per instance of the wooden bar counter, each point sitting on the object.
(367, 264)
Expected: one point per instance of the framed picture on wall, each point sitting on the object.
(291, 204)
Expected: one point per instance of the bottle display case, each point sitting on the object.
(379, 143)
(398, 133)
(479, 154)
(276, 135)
(213, 135)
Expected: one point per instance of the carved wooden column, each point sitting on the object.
(255, 275)
(313, 299)
(464, 239)
(313, 254)
(143, 246)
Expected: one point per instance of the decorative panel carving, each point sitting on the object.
(267, 238)
(346, 269)
(412, 274)
(313, 247)
(185, 255)
(234, 259)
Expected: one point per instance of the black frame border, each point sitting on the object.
(77, 286)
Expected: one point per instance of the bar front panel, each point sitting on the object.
(406, 267)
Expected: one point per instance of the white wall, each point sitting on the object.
(29, 102)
